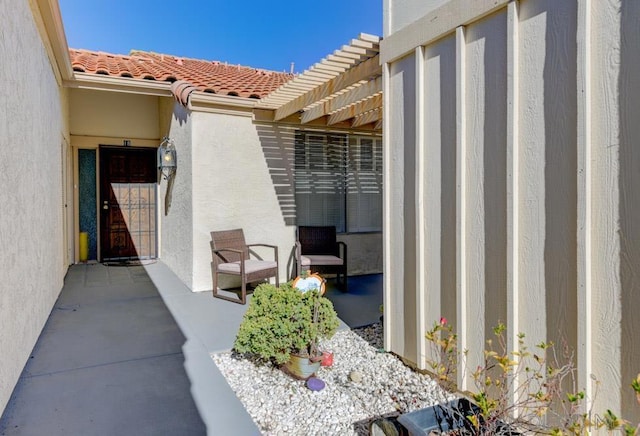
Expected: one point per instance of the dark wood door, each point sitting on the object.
(128, 203)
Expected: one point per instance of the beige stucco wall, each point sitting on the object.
(522, 204)
(113, 114)
(32, 126)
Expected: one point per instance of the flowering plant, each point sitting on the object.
(524, 388)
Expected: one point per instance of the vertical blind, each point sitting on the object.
(338, 181)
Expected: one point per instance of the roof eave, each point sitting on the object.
(198, 100)
(49, 22)
(215, 103)
(119, 84)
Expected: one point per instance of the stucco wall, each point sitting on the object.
(364, 252)
(32, 126)
(233, 189)
(176, 227)
(525, 183)
(113, 114)
(236, 173)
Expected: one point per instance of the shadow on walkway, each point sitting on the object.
(108, 361)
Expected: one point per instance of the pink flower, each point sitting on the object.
(443, 321)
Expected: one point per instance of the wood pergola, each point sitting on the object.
(342, 90)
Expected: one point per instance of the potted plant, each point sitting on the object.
(284, 326)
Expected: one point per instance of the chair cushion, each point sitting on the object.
(250, 266)
(320, 259)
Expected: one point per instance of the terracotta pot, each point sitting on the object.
(300, 367)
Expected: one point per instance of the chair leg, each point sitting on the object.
(344, 280)
(216, 294)
(277, 279)
(214, 272)
(243, 297)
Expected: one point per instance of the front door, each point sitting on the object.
(128, 203)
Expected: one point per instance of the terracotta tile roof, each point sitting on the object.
(207, 76)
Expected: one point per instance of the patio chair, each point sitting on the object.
(318, 249)
(231, 255)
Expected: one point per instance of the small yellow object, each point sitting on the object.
(84, 246)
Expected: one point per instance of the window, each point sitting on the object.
(338, 181)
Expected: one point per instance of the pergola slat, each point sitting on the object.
(343, 100)
(367, 118)
(363, 71)
(345, 84)
(357, 110)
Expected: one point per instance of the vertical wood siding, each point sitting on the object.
(513, 175)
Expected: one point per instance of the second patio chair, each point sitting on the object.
(318, 249)
(231, 255)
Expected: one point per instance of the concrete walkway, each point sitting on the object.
(126, 351)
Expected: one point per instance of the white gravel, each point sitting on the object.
(280, 405)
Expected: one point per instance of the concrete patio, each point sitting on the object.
(126, 350)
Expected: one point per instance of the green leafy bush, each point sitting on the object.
(281, 321)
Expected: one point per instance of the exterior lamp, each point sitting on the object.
(167, 158)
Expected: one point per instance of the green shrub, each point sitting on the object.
(281, 321)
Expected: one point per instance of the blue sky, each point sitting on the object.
(267, 34)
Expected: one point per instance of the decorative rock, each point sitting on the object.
(275, 401)
(355, 376)
(327, 358)
(315, 384)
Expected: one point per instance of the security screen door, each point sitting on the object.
(128, 203)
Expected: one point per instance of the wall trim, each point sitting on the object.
(46, 14)
(435, 25)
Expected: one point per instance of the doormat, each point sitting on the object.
(133, 262)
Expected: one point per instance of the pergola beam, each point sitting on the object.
(370, 117)
(357, 110)
(343, 100)
(363, 71)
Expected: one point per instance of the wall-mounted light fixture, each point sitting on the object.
(167, 158)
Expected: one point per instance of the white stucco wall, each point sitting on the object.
(31, 231)
(233, 189)
(234, 172)
(537, 101)
(176, 227)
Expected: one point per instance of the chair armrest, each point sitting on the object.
(218, 251)
(261, 245)
(275, 249)
(344, 249)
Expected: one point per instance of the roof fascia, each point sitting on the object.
(214, 103)
(48, 20)
(198, 100)
(119, 84)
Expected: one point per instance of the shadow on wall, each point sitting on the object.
(278, 146)
(180, 113)
(629, 198)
